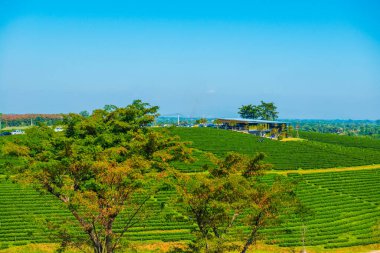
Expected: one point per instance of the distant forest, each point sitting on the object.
(17, 120)
(344, 127)
(369, 128)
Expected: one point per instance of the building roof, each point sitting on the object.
(241, 120)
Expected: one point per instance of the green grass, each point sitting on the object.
(343, 140)
(283, 155)
(24, 213)
(345, 205)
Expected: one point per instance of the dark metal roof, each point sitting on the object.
(241, 120)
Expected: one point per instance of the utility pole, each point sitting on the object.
(297, 128)
(1, 115)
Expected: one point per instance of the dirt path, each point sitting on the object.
(364, 167)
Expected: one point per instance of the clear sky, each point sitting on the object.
(313, 59)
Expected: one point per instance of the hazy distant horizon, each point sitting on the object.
(182, 116)
(313, 59)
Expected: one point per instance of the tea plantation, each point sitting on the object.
(345, 206)
(283, 155)
(345, 209)
(343, 140)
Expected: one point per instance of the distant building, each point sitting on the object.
(253, 126)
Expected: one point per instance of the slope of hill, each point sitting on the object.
(345, 205)
(283, 155)
(26, 215)
(344, 210)
(343, 140)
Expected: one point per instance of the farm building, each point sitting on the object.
(253, 126)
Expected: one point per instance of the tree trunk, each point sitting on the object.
(251, 239)
(216, 233)
(109, 246)
(207, 247)
(109, 236)
(98, 248)
(252, 236)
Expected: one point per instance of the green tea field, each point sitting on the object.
(308, 154)
(343, 140)
(345, 205)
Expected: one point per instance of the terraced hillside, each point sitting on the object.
(345, 206)
(343, 140)
(24, 213)
(283, 155)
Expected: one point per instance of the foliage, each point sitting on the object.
(265, 204)
(16, 120)
(231, 190)
(84, 113)
(13, 149)
(110, 108)
(265, 111)
(99, 166)
(201, 121)
(217, 122)
(249, 111)
(343, 127)
(345, 205)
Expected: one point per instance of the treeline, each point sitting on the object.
(16, 120)
(343, 127)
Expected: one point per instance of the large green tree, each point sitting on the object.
(268, 111)
(264, 111)
(232, 190)
(213, 201)
(249, 112)
(100, 167)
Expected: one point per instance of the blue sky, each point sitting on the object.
(313, 59)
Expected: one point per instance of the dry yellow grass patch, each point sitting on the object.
(363, 167)
(158, 246)
(292, 139)
(32, 248)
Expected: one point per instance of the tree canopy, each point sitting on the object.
(232, 192)
(98, 166)
(264, 111)
(201, 121)
(104, 168)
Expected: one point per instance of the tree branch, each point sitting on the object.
(129, 222)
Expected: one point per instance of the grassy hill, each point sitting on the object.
(25, 214)
(345, 205)
(310, 154)
(345, 208)
(343, 140)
